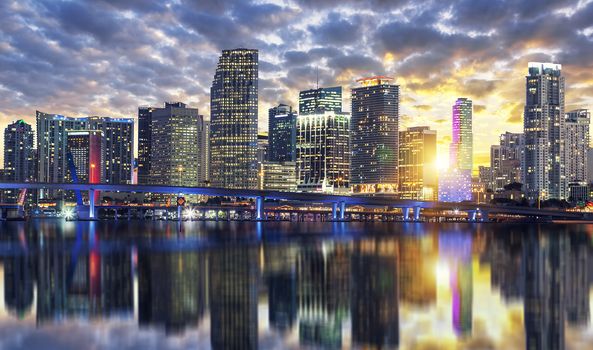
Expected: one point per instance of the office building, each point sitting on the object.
(19, 155)
(119, 147)
(175, 158)
(204, 152)
(282, 134)
(278, 176)
(233, 125)
(263, 145)
(320, 99)
(144, 144)
(544, 127)
(87, 149)
(455, 185)
(323, 152)
(577, 144)
(578, 192)
(417, 164)
(374, 133)
(505, 161)
(461, 153)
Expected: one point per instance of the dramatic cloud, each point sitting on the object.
(107, 57)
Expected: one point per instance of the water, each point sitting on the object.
(164, 285)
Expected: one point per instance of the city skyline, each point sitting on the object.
(450, 56)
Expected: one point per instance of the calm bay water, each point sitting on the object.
(165, 285)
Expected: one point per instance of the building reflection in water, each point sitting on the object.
(315, 289)
(374, 301)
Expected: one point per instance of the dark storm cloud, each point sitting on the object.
(336, 29)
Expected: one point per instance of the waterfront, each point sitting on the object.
(273, 285)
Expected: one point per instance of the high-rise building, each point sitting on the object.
(590, 165)
(461, 155)
(577, 144)
(204, 151)
(323, 151)
(320, 99)
(455, 185)
(282, 134)
(175, 157)
(278, 176)
(87, 148)
(144, 144)
(263, 144)
(374, 133)
(51, 145)
(543, 125)
(505, 161)
(417, 164)
(233, 125)
(19, 155)
(119, 147)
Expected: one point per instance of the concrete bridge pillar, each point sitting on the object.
(342, 210)
(259, 208)
(91, 204)
(417, 213)
(471, 215)
(484, 214)
(334, 211)
(406, 213)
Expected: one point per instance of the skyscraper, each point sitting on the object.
(417, 163)
(119, 147)
(19, 155)
(461, 156)
(323, 151)
(233, 128)
(577, 144)
(87, 148)
(204, 146)
(144, 144)
(282, 134)
(543, 125)
(506, 160)
(175, 152)
(320, 99)
(374, 132)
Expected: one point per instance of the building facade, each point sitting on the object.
(119, 147)
(175, 157)
(19, 155)
(374, 132)
(278, 176)
(282, 134)
(320, 99)
(577, 144)
(543, 126)
(323, 152)
(461, 153)
(506, 161)
(455, 185)
(417, 164)
(233, 127)
(87, 149)
(144, 144)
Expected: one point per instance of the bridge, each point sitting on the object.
(338, 202)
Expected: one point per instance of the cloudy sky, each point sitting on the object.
(107, 57)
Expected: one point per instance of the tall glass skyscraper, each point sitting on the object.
(320, 99)
(543, 126)
(282, 134)
(144, 144)
(374, 132)
(233, 126)
(462, 138)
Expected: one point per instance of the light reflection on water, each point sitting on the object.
(286, 285)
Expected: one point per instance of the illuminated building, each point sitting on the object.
(455, 185)
(374, 133)
(417, 164)
(578, 192)
(262, 147)
(320, 99)
(233, 125)
(323, 152)
(461, 156)
(144, 144)
(577, 144)
(175, 145)
(87, 148)
(19, 155)
(282, 134)
(506, 160)
(119, 147)
(590, 165)
(374, 306)
(544, 127)
(278, 176)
